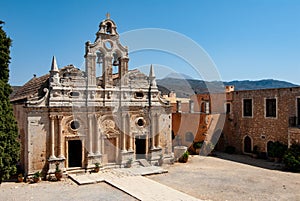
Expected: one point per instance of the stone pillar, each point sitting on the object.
(90, 67)
(52, 142)
(97, 141)
(157, 131)
(90, 134)
(60, 137)
(131, 137)
(123, 69)
(178, 106)
(152, 130)
(123, 132)
(107, 71)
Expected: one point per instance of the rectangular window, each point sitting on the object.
(271, 107)
(247, 107)
(228, 108)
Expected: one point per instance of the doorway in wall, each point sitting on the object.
(247, 144)
(110, 149)
(140, 147)
(74, 153)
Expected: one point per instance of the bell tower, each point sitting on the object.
(108, 51)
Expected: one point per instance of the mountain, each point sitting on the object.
(187, 87)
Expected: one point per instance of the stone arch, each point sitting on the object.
(247, 144)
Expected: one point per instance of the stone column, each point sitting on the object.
(157, 144)
(107, 71)
(90, 136)
(90, 66)
(123, 69)
(152, 130)
(97, 140)
(52, 142)
(129, 133)
(123, 132)
(60, 138)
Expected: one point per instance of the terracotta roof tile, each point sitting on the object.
(32, 87)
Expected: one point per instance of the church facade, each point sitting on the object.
(76, 119)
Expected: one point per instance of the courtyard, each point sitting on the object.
(205, 178)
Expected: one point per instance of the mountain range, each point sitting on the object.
(185, 87)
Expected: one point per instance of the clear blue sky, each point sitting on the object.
(247, 39)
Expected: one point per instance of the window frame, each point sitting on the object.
(243, 108)
(266, 108)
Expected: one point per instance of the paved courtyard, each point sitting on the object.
(206, 178)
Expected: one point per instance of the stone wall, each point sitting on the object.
(258, 127)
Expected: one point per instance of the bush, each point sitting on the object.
(277, 149)
(292, 158)
(197, 145)
(230, 149)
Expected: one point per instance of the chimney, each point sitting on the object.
(191, 106)
(178, 106)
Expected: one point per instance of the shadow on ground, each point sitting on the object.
(245, 159)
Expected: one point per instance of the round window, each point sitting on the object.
(75, 125)
(108, 44)
(140, 122)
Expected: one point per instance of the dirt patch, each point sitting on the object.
(212, 178)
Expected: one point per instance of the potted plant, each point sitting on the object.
(128, 163)
(197, 146)
(184, 158)
(36, 177)
(58, 172)
(97, 167)
(20, 177)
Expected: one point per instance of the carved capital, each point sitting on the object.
(52, 117)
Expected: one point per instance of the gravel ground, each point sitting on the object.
(207, 178)
(212, 178)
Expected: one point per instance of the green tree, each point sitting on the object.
(9, 144)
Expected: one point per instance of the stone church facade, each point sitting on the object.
(77, 119)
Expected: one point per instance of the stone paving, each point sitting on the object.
(131, 181)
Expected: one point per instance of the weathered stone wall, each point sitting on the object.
(20, 115)
(37, 138)
(260, 128)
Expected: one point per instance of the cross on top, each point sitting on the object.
(107, 16)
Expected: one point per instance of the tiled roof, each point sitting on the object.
(33, 86)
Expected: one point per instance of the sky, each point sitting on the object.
(246, 40)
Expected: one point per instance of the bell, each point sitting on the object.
(115, 63)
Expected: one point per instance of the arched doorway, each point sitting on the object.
(247, 144)
(74, 153)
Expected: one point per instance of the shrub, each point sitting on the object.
(197, 145)
(291, 158)
(277, 150)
